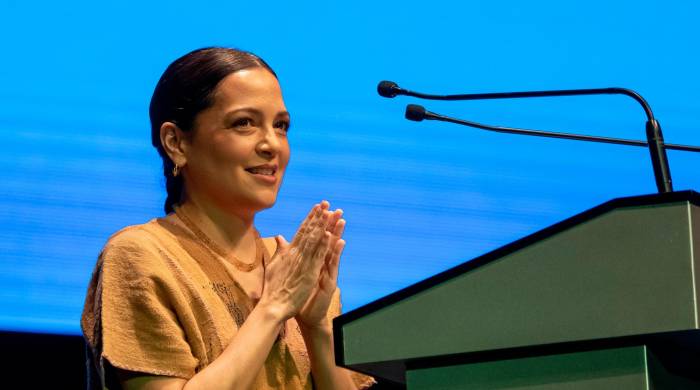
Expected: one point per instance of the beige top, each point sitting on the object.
(160, 303)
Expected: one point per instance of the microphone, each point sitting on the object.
(389, 89)
(655, 140)
(416, 113)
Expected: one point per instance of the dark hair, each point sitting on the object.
(186, 88)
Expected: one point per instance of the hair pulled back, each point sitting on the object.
(186, 88)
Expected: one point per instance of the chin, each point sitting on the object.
(267, 205)
(247, 203)
(264, 202)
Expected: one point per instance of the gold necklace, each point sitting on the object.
(218, 251)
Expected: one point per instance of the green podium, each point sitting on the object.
(607, 299)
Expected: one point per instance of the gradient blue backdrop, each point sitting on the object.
(77, 165)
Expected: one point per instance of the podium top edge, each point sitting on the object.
(689, 196)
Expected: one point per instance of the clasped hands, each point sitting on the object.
(302, 276)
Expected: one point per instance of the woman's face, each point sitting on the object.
(238, 152)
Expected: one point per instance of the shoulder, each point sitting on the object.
(142, 233)
(135, 247)
(133, 235)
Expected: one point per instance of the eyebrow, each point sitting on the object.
(254, 111)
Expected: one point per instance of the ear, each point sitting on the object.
(174, 142)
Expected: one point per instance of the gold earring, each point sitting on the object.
(176, 170)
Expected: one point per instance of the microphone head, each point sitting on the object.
(388, 89)
(415, 112)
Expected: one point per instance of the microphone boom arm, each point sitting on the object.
(427, 115)
(529, 94)
(655, 140)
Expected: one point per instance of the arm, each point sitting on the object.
(314, 321)
(289, 280)
(254, 337)
(248, 350)
(319, 344)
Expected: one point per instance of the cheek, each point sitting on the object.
(285, 154)
(232, 153)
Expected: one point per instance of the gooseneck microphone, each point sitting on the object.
(654, 142)
(418, 113)
(390, 89)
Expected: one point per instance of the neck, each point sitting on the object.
(233, 233)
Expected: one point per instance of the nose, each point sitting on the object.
(269, 144)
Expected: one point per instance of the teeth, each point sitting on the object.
(262, 171)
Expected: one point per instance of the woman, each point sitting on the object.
(197, 300)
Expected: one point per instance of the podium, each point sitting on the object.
(607, 299)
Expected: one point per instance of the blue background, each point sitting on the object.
(77, 164)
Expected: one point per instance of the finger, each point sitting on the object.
(339, 228)
(323, 276)
(324, 280)
(337, 233)
(313, 237)
(334, 265)
(313, 234)
(319, 256)
(303, 228)
(332, 217)
(328, 217)
(308, 238)
(315, 213)
(282, 247)
(333, 220)
(282, 244)
(325, 206)
(315, 262)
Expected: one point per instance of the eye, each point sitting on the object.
(242, 122)
(282, 125)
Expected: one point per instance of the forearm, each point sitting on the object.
(319, 345)
(239, 364)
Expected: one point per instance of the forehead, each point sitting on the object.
(254, 86)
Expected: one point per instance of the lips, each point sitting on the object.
(266, 169)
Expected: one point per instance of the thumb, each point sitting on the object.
(282, 244)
